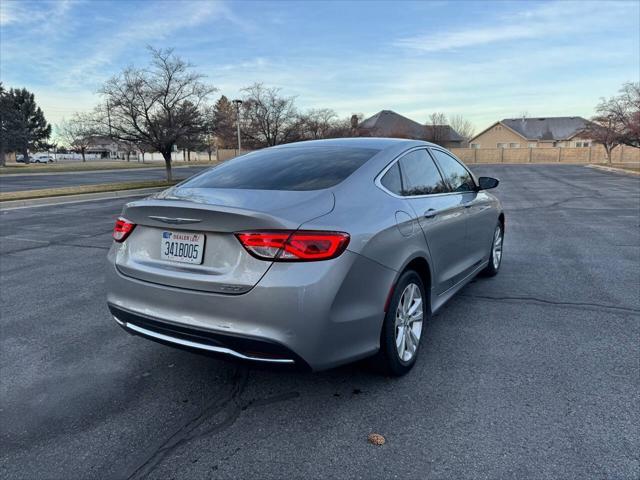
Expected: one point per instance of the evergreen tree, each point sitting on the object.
(24, 127)
(224, 123)
(7, 123)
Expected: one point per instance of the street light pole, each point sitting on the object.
(237, 104)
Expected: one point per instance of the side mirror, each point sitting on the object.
(487, 183)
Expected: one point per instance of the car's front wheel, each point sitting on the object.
(495, 257)
(403, 325)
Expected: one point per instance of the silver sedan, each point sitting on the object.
(314, 253)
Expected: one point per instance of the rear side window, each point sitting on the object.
(420, 176)
(455, 174)
(291, 168)
(392, 181)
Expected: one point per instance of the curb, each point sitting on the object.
(613, 170)
(80, 197)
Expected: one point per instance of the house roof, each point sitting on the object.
(546, 128)
(379, 143)
(387, 123)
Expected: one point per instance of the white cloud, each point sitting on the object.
(545, 21)
(11, 12)
(465, 38)
(25, 13)
(149, 25)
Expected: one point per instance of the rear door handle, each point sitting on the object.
(432, 212)
(468, 205)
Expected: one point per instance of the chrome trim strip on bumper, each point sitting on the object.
(201, 346)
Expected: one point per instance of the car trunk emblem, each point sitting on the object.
(175, 221)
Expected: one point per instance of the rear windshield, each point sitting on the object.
(291, 168)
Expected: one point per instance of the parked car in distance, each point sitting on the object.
(35, 159)
(315, 253)
(42, 159)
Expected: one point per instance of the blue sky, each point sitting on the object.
(483, 60)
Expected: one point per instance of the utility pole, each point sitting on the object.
(109, 117)
(237, 103)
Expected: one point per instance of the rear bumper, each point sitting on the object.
(316, 314)
(190, 338)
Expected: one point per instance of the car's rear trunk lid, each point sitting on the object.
(217, 213)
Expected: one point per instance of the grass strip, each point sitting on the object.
(62, 191)
(18, 168)
(627, 167)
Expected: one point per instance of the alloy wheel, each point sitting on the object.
(409, 317)
(496, 252)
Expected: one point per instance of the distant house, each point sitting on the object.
(105, 147)
(388, 123)
(534, 133)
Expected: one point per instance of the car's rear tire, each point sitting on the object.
(495, 254)
(404, 323)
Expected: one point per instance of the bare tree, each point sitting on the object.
(463, 126)
(622, 112)
(617, 120)
(267, 117)
(209, 145)
(437, 128)
(129, 148)
(157, 106)
(604, 130)
(78, 133)
(318, 123)
(343, 127)
(143, 148)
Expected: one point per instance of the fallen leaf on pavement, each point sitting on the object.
(376, 439)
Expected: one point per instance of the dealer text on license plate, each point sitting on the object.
(184, 247)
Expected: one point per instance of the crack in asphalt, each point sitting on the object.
(187, 432)
(551, 205)
(56, 244)
(554, 302)
(239, 382)
(47, 243)
(567, 200)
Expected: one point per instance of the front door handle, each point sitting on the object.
(432, 212)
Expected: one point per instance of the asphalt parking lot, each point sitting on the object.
(18, 182)
(534, 373)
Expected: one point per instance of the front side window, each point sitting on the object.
(457, 176)
(289, 168)
(420, 176)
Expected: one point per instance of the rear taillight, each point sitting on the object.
(122, 229)
(294, 246)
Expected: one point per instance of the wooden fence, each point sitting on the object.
(597, 154)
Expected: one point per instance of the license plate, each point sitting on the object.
(183, 247)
